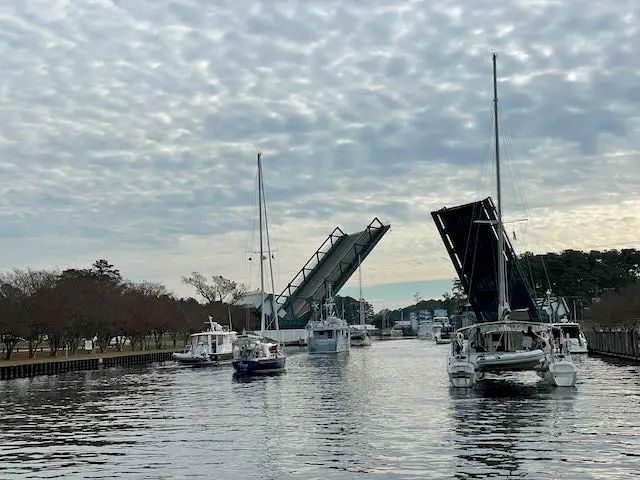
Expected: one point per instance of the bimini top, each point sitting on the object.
(507, 326)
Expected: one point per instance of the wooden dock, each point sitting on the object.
(624, 345)
(54, 366)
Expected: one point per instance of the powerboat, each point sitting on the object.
(328, 334)
(576, 341)
(210, 347)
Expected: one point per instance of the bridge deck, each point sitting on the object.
(473, 248)
(331, 265)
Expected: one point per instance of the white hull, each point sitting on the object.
(466, 365)
(462, 373)
(560, 372)
(336, 345)
(576, 347)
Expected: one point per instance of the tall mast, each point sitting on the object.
(360, 284)
(503, 300)
(261, 245)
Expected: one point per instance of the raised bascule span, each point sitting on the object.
(470, 237)
(330, 266)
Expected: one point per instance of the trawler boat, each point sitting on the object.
(576, 341)
(330, 334)
(210, 347)
(506, 345)
(255, 354)
(442, 330)
(425, 330)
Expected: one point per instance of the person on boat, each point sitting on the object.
(536, 341)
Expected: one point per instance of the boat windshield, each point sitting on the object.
(198, 339)
(572, 330)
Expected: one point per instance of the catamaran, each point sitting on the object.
(506, 345)
(255, 354)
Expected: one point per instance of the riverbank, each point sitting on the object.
(26, 368)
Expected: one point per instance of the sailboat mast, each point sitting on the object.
(360, 285)
(503, 301)
(261, 245)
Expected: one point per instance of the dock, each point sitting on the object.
(54, 366)
(617, 344)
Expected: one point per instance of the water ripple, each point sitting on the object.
(385, 412)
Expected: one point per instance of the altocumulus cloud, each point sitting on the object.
(128, 128)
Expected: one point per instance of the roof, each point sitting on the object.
(330, 266)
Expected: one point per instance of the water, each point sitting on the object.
(384, 412)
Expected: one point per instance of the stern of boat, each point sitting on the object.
(561, 372)
(462, 372)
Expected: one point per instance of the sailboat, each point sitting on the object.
(359, 334)
(255, 354)
(506, 345)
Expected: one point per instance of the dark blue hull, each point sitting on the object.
(260, 367)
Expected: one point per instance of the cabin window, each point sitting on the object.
(330, 334)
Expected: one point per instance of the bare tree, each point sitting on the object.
(220, 289)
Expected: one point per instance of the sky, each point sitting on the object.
(129, 131)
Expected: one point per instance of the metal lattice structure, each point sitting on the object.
(470, 235)
(330, 266)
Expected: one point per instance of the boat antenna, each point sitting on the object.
(503, 300)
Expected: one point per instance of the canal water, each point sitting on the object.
(385, 412)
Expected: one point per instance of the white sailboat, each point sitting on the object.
(359, 334)
(505, 345)
(255, 354)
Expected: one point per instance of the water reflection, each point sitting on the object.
(499, 426)
(385, 411)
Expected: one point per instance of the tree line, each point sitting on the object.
(61, 308)
(606, 284)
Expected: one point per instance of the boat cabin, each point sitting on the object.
(491, 337)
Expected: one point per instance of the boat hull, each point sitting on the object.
(200, 360)
(575, 346)
(260, 366)
(462, 373)
(561, 372)
(337, 345)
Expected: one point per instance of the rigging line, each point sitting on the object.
(483, 168)
(528, 214)
(513, 167)
(252, 232)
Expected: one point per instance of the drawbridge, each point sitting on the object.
(330, 267)
(473, 247)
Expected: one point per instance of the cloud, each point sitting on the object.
(129, 129)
